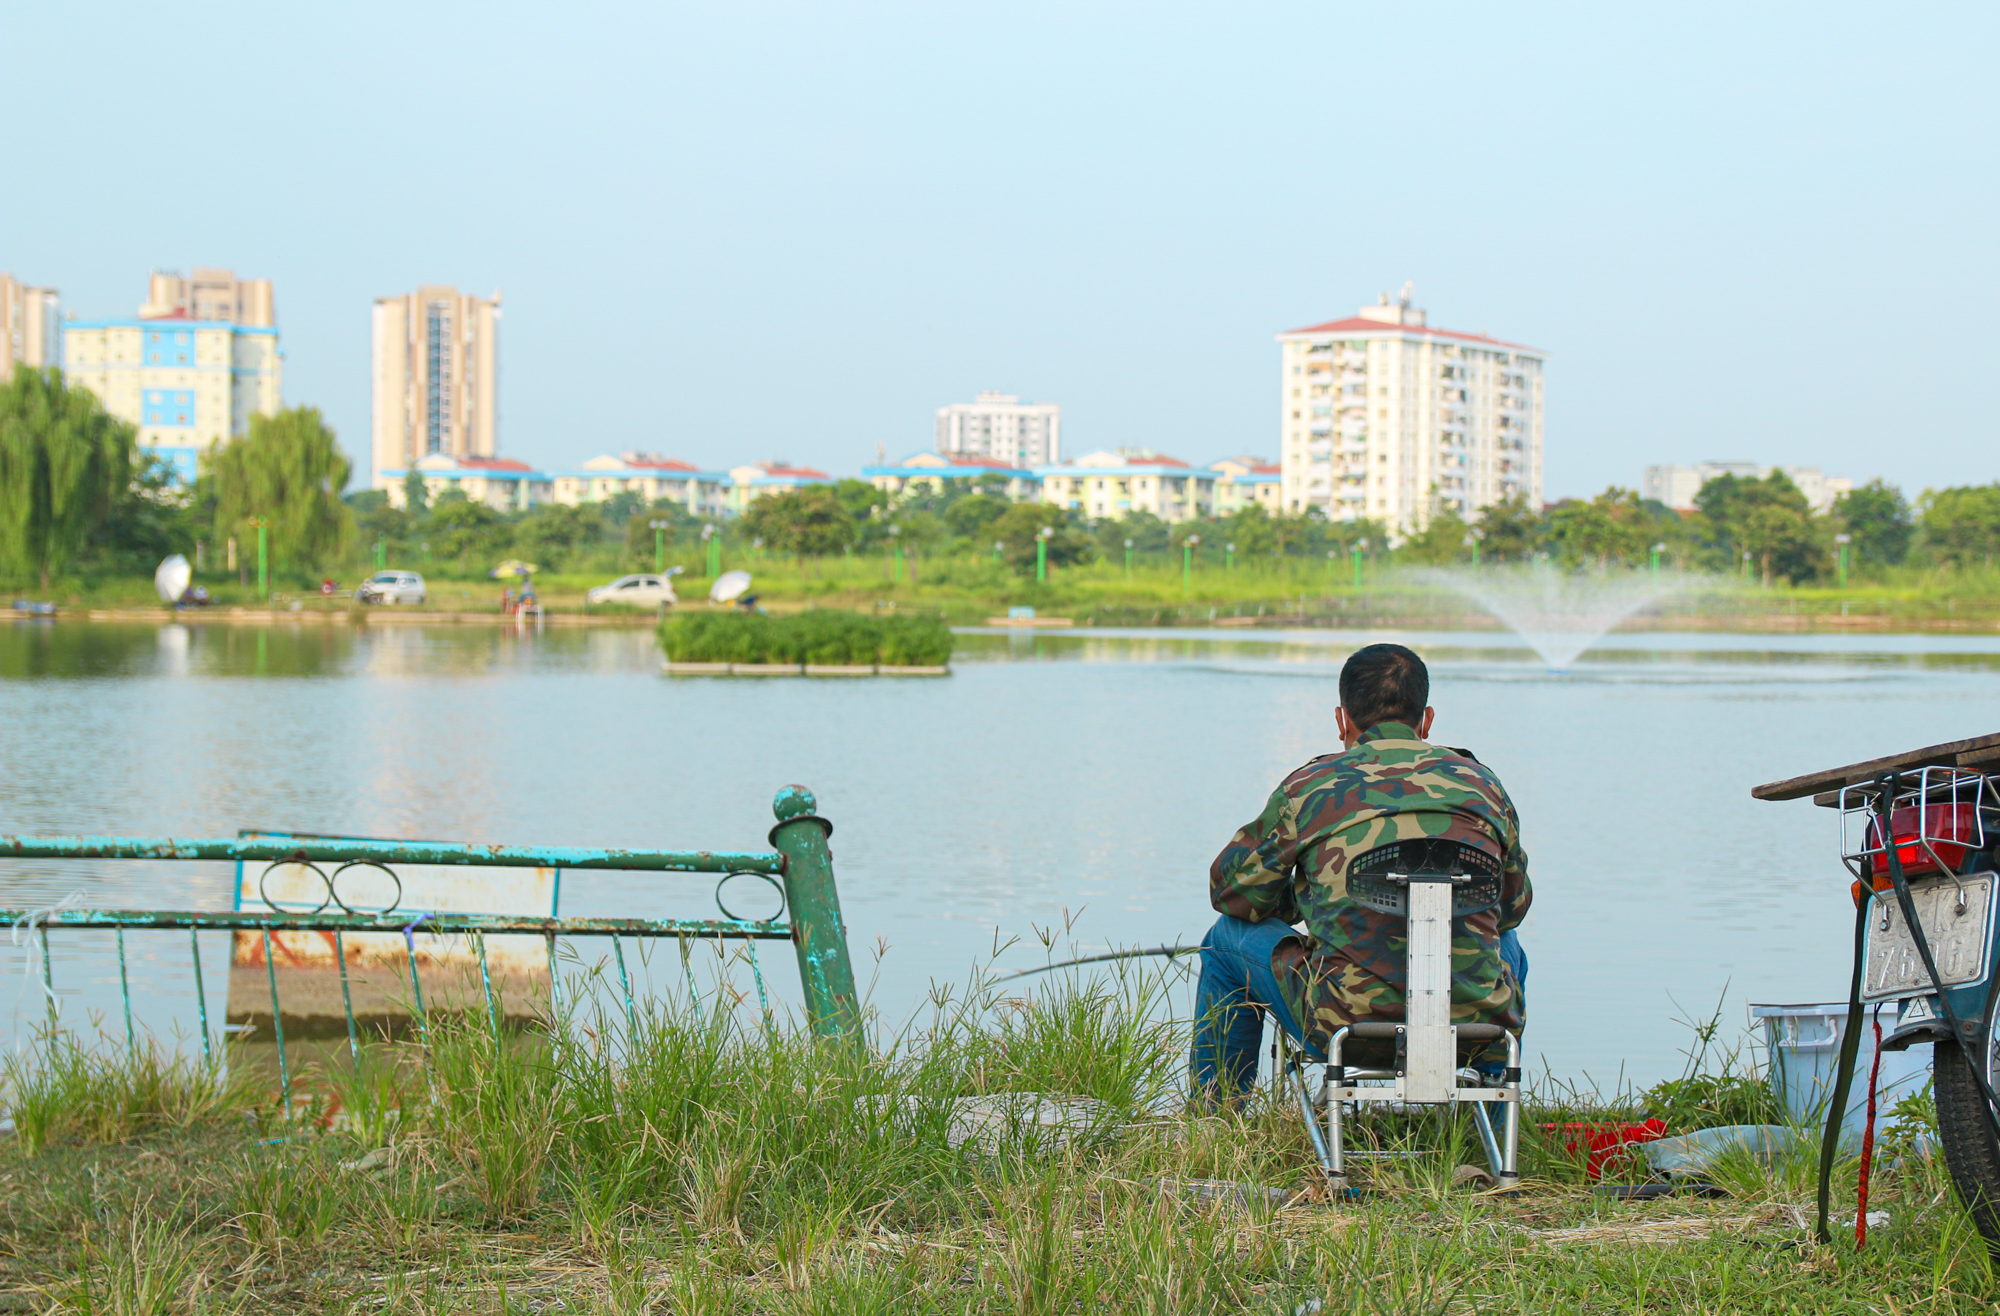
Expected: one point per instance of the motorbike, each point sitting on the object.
(1920, 836)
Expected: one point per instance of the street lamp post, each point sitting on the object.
(1332, 556)
(659, 529)
(1042, 538)
(1472, 542)
(1187, 561)
(1229, 557)
(1656, 551)
(997, 546)
(896, 546)
(379, 562)
(1128, 559)
(1843, 541)
(712, 543)
(1360, 547)
(1746, 566)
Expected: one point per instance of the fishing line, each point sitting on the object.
(1169, 951)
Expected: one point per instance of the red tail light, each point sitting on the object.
(1950, 830)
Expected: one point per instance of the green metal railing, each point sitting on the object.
(800, 864)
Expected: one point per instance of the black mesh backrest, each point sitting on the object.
(1368, 883)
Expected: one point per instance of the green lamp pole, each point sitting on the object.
(379, 561)
(896, 547)
(659, 529)
(1229, 557)
(1128, 559)
(1187, 562)
(1657, 549)
(1746, 566)
(1332, 556)
(712, 544)
(1042, 537)
(1472, 542)
(1843, 541)
(263, 575)
(1360, 547)
(997, 546)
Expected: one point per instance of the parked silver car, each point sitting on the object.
(391, 587)
(637, 591)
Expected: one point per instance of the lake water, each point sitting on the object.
(1085, 778)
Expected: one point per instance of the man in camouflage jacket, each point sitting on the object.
(1290, 866)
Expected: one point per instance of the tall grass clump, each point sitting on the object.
(63, 1092)
(822, 636)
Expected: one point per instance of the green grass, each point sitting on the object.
(714, 1162)
(827, 636)
(967, 589)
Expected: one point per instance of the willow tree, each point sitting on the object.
(64, 465)
(289, 472)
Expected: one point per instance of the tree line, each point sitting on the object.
(78, 494)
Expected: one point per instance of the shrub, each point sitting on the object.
(828, 637)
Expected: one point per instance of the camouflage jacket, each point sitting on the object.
(1291, 864)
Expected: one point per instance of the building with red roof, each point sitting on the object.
(1384, 417)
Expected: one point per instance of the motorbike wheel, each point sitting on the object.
(1965, 1130)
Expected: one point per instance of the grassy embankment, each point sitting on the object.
(720, 1164)
(967, 590)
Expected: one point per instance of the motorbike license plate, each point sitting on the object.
(1959, 938)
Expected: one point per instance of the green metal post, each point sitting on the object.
(1041, 559)
(659, 549)
(1843, 566)
(380, 560)
(818, 934)
(1128, 559)
(1746, 566)
(899, 557)
(1357, 566)
(1187, 564)
(1655, 554)
(263, 576)
(1229, 557)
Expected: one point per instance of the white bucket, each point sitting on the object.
(1803, 1043)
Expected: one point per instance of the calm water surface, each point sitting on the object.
(1084, 777)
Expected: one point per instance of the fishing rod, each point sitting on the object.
(1169, 951)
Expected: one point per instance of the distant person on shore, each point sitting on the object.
(1289, 866)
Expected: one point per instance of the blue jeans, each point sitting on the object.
(1235, 989)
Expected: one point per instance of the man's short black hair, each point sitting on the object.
(1384, 683)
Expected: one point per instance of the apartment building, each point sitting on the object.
(502, 483)
(1000, 426)
(30, 326)
(935, 471)
(1677, 486)
(1119, 483)
(214, 295)
(652, 476)
(436, 378)
(1385, 417)
(754, 480)
(185, 370)
(1248, 482)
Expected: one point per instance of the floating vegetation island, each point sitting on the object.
(823, 641)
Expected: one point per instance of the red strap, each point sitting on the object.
(1868, 1143)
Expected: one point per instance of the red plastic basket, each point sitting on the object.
(1600, 1143)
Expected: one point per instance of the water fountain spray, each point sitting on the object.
(1560, 613)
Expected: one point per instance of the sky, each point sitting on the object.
(763, 230)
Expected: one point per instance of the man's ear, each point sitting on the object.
(1424, 724)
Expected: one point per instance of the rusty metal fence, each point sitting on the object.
(799, 865)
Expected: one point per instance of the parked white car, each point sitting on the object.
(636, 591)
(391, 587)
